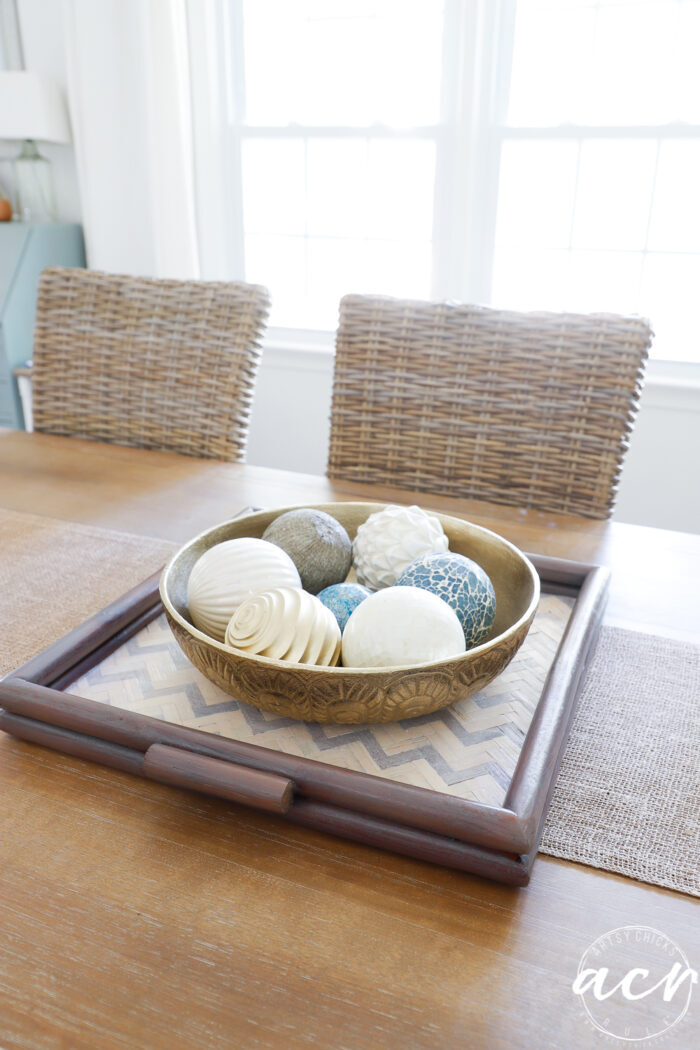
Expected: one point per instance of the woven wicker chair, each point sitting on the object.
(526, 409)
(148, 363)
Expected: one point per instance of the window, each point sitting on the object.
(339, 113)
(600, 164)
(538, 154)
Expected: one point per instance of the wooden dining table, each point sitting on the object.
(136, 915)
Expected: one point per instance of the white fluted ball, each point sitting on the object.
(230, 572)
(398, 626)
(390, 540)
(286, 624)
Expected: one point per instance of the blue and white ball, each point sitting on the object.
(461, 583)
(342, 599)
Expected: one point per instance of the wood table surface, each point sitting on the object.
(133, 915)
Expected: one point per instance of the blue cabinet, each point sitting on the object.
(25, 250)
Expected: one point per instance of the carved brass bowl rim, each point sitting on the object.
(254, 525)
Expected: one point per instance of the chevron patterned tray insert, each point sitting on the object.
(468, 750)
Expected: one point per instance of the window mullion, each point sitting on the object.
(232, 33)
(479, 36)
(496, 29)
(448, 203)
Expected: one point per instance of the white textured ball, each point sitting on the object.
(286, 624)
(399, 626)
(230, 572)
(390, 540)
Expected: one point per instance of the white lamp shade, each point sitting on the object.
(32, 107)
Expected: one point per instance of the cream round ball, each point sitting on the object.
(228, 573)
(400, 626)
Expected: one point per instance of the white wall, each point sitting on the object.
(291, 414)
(660, 483)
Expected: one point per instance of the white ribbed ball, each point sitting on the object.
(390, 540)
(230, 572)
(286, 624)
(398, 626)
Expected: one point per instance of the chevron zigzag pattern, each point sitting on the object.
(468, 750)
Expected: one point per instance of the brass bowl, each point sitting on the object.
(357, 695)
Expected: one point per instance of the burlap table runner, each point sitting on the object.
(627, 795)
(54, 574)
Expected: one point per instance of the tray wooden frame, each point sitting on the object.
(497, 842)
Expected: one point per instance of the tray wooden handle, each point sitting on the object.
(185, 769)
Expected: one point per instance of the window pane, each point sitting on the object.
(613, 62)
(668, 295)
(675, 216)
(328, 216)
(401, 177)
(337, 267)
(337, 187)
(273, 186)
(634, 225)
(687, 69)
(348, 211)
(551, 62)
(585, 282)
(615, 183)
(536, 194)
(341, 62)
(280, 264)
(601, 281)
(662, 287)
(401, 268)
(560, 194)
(631, 76)
(375, 188)
(530, 278)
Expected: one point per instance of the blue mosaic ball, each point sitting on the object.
(462, 584)
(342, 599)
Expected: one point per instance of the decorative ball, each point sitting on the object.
(342, 599)
(390, 540)
(318, 545)
(286, 624)
(399, 626)
(462, 584)
(230, 572)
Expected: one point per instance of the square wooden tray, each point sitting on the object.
(496, 841)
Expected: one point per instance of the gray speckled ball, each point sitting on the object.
(318, 545)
